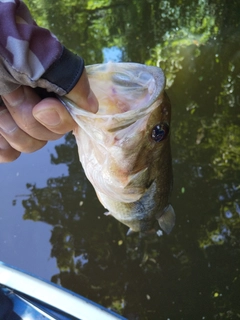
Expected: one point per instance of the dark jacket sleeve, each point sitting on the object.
(33, 56)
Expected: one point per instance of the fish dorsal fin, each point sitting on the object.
(167, 219)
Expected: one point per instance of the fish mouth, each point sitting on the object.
(125, 91)
(125, 87)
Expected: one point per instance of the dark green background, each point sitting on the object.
(194, 272)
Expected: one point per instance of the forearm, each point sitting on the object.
(32, 56)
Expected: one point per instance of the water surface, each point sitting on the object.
(51, 221)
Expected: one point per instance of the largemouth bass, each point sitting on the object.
(125, 147)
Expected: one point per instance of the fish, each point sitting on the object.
(125, 147)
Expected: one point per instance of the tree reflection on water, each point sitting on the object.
(194, 272)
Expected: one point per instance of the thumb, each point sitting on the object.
(82, 95)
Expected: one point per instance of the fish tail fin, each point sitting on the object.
(167, 219)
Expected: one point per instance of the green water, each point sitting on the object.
(194, 273)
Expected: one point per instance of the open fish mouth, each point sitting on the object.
(125, 93)
(125, 146)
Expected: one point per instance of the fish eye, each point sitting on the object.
(160, 132)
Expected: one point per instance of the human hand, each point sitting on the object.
(27, 122)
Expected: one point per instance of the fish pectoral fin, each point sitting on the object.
(136, 179)
(130, 232)
(107, 213)
(167, 219)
